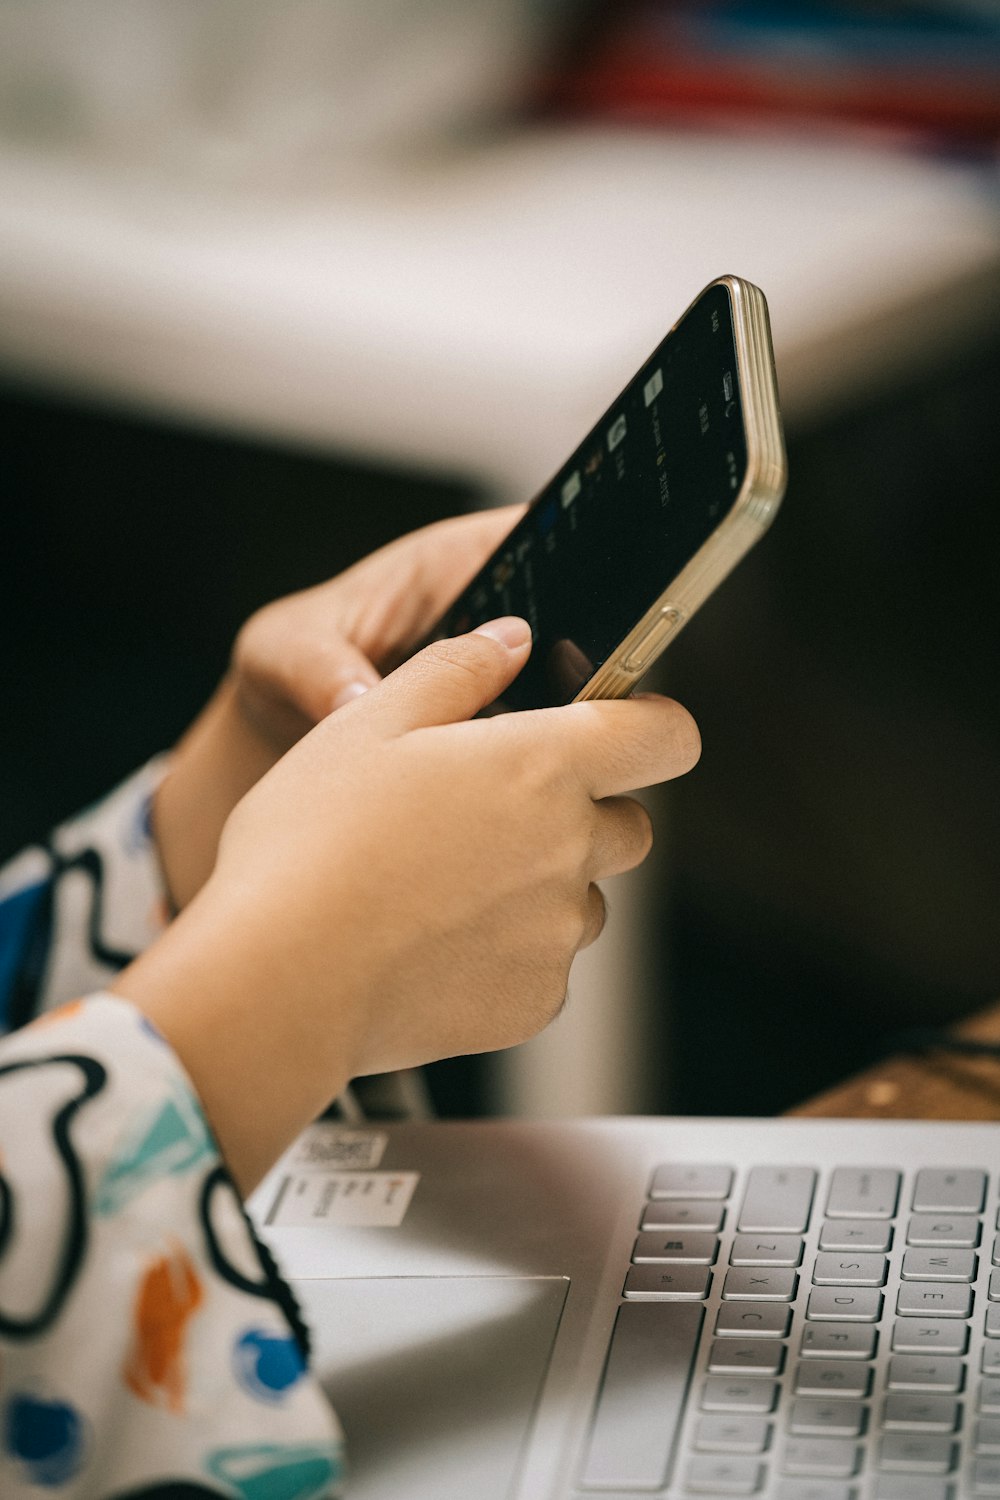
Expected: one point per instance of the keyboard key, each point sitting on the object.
(697, 1249)
(732, 1434)
(837, 1341)
(827, 1378)
(952, 1231)
(989, 1397)
(840, 1304)
(908, 1412)
(720, 1394)
(760, 1284)
(991, 1359)
(986, 1436)
(814, 1489)
(986, 1476)
(737, 1320)
(766, 1250)
(953, 1189)
(683, 1213)
(746, 1357)
(926, 1372)
(667, 1284)
(913, 1453)
(995, 1286)
(819, 1418)
(937, 1335)
(855, 1234)
(993, 1322)
(917, 1299)
(850, 1270)
(829, 1458)
(723, 1477)
(642, 1395)
(678, 1181)
(777, 1200)
(939, 1265)
(863, 1193)
(895, 1487)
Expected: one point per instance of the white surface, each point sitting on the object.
(474, 311)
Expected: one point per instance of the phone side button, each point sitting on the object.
(667, 621)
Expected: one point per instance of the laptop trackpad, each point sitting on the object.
(435, 1379)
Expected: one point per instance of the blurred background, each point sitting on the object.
(279, 282)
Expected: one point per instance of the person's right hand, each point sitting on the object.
(408, 882)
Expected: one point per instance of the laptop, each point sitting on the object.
(620, 1309)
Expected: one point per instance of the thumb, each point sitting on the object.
(452, 679)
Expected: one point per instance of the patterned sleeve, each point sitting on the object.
(75, 910)
(148, 1346)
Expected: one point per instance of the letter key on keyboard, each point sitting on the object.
(778, 1199)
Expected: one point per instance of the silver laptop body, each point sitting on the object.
(595, 1310)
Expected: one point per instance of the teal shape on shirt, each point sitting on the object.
(169, 1140)
(269, 1471)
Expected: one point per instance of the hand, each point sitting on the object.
(407, 883)
(297, 660)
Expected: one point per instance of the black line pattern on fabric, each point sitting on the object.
(273, 1287)
(173, 1489)
(26, 990)
(89, 860)
(74, 1247)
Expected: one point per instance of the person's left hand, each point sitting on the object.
(296, 661)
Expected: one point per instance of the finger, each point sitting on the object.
(597, 915)
(618, 745)
(623, 836)
(452, 679)
(309, 671)
(390, 601)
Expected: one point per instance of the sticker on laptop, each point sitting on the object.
(332, 1148)
(343, 1200)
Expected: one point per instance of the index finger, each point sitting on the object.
(622, 744)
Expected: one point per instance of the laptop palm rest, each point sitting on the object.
(435, 1378)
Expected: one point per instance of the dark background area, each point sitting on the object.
(835, 858)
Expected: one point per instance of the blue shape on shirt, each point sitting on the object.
(17, 916)
(267, 1364)
(46, 1436)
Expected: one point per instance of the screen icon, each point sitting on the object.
(571, 488)
(616, 432)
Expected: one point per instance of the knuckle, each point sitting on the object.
(470, 655)
(642, 833)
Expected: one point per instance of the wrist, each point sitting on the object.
(263, 1057)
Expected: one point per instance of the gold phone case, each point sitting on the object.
(748, 518)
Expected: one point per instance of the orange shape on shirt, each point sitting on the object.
(62, 1012)
(169, 1296)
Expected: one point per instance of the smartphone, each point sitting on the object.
(674, 484)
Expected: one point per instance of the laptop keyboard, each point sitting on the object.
(808, 1336)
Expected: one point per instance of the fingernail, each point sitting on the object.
(510, 630)
(347, 692)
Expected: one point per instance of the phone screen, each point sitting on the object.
(624, 514)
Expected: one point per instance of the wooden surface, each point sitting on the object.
(932, 1086)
